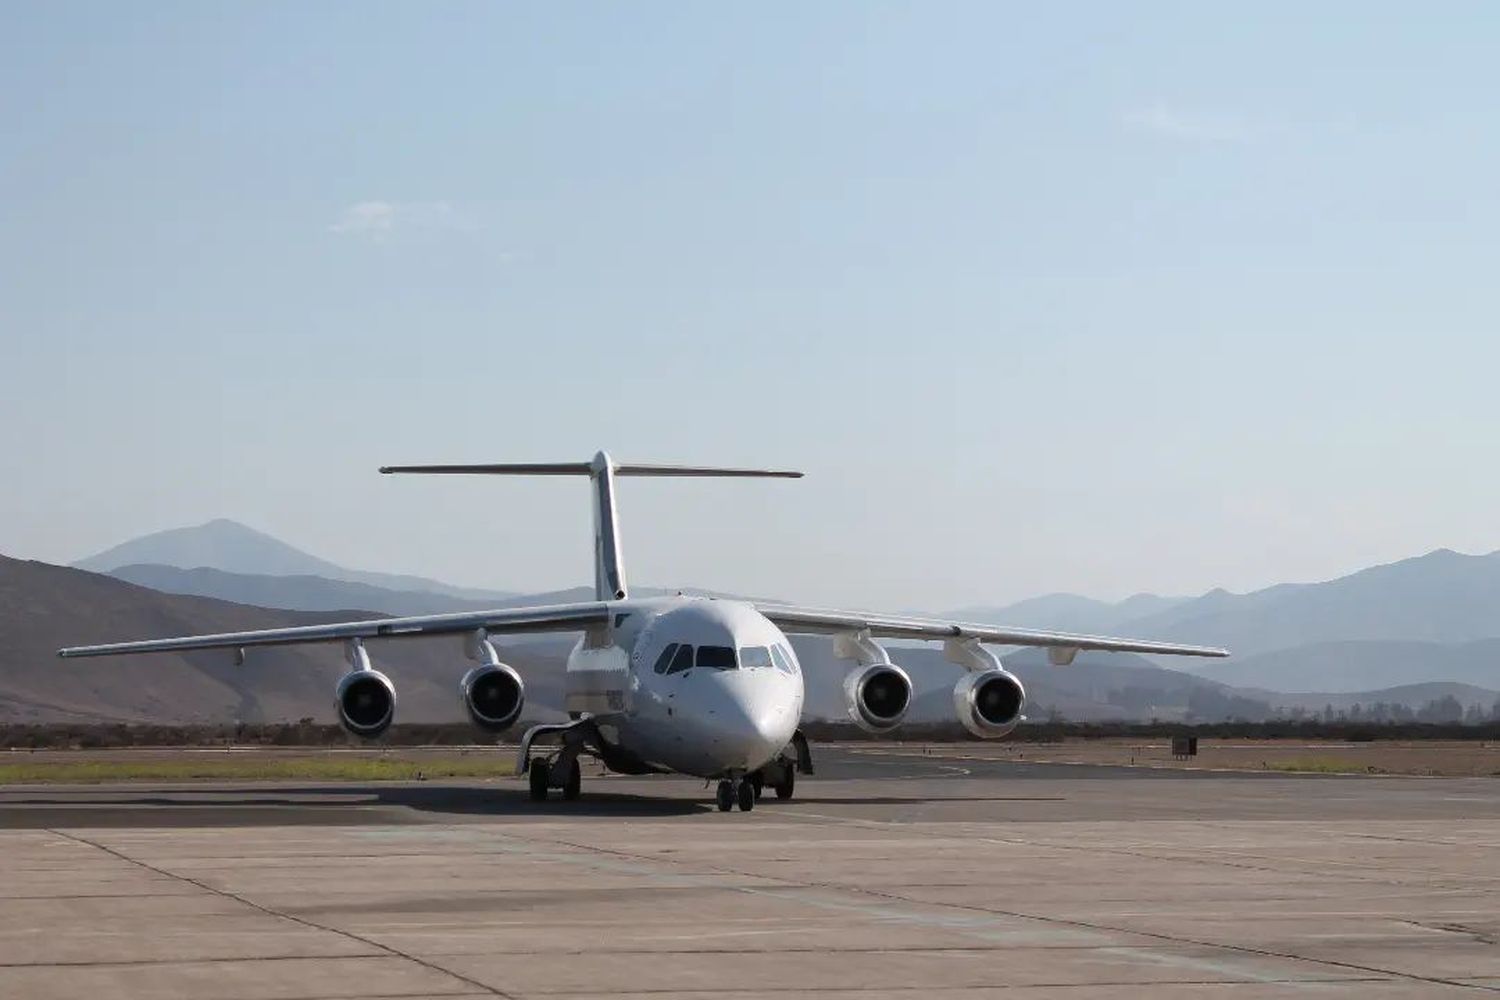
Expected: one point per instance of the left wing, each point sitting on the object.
(793, 618)
(543, 618)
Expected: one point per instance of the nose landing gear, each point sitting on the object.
(739, 791)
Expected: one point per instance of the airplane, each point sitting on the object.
(701, 686)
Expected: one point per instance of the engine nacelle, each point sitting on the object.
(878, 695)
(989, 702)
(366, 702)
(492, 694)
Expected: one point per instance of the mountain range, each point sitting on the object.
(1434, 617)
(232, 547)
(1404, 633)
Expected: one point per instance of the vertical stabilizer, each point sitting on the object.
(609, 564)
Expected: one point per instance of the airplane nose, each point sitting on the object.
(750, 731)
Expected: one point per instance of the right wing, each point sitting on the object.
(543, 618)
(794, 618)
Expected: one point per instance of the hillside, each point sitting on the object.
(44, 607)
(1442, 597)
(1068, 612)
(298, 592)
(234, 548)
(1362, 665)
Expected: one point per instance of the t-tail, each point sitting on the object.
(609, 564)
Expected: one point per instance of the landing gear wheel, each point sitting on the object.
(573, 783)
(746, 794)
(789, 785)
(758, 779)
(725, 796)
(540, 772)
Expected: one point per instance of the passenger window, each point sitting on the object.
(682, 661)
(665, 658)
(754, 656)
(716, 657)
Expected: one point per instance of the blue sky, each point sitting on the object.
(1041, 297)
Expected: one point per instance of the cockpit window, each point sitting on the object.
(716, 657)
(683, 660)
(665, 658)
(783, 660)
(754, 656)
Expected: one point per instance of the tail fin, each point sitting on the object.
(609, 564)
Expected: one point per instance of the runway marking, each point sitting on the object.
(271, 911)
(1100, 926)
(1091, 931)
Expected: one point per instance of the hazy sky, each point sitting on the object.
(1090, 297)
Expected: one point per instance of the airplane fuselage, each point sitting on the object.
(704, 687)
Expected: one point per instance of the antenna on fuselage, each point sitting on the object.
(609, 564)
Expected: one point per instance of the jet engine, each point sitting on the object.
(878, 695)
(989, 702)
(493, 695)
(366, 701)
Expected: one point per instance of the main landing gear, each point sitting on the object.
(562, 773)
(737, 790)
(561, 770)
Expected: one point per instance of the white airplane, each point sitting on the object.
(693, 685)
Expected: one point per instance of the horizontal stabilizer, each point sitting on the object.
(586, 468)
(504, 469)
(702, 470)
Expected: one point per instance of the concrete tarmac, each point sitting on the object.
(893, 874)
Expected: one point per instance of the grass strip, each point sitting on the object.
(247, 768)
(1320, 765)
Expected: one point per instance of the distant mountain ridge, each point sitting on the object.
(231, 547)
(1441, 597)
(318, 593)
(1069, 612)
(1434, 617)
(295, 593)
(43, 607)
(1429, 619)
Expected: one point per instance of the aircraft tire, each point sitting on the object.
(725, 796)
(539, 773)
(785, 788)
(758, 779)
(746, 795)
(573, 783)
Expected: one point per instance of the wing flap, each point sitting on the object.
(793, 618)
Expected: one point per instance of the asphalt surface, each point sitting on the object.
(891, 874)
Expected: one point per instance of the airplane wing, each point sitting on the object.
(543, 618)
(792, 618)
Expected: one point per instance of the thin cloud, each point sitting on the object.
(1191, 126)
(380, 219)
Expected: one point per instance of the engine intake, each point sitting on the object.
(493, 694)
(366, 702)
(989, 703)
(878, 695)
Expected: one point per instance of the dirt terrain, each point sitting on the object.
(1449, 758)
(1457, 758)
